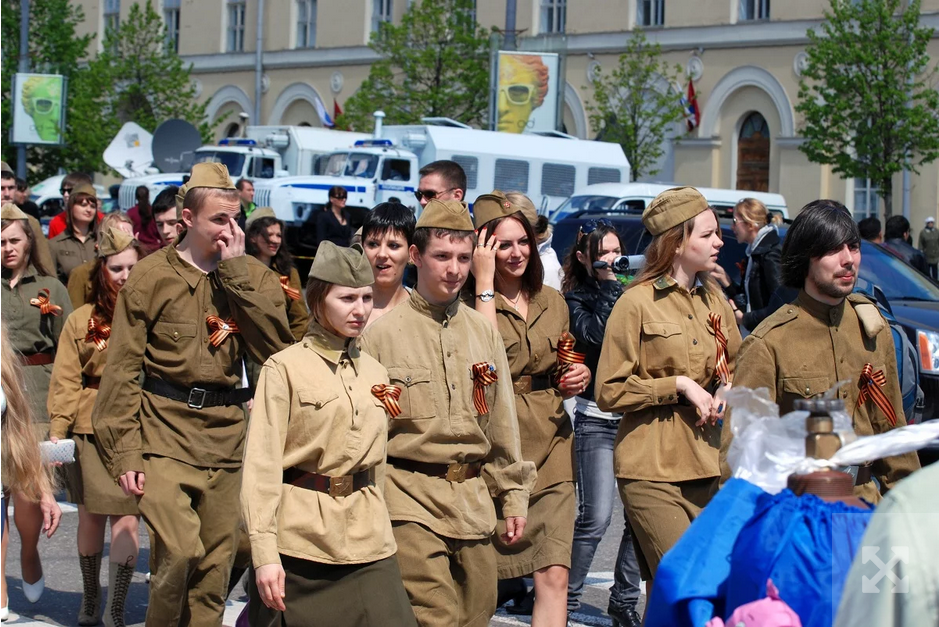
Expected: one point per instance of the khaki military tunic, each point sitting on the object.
(70, 404)
(805, 348)
(657, 332)
(68, 252)
(314, 411)
(160, 325)
(297, 314)
(79, 283)
(429, 352)
(31, 331)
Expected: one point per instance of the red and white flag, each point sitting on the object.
(692, 114)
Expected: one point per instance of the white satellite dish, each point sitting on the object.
(131, 151)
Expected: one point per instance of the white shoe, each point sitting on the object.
(4, 612)
(33, 591)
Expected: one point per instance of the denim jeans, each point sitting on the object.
(596, 494)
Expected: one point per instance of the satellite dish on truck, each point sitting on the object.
(174, 143)
(129, 153)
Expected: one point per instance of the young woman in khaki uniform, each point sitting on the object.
(34, 308)
(670, 342)
(76, 244)
(531, 318)
(321, 539)
(79, 364)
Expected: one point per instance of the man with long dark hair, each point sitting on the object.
(826, 335)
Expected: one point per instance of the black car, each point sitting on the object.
(912, 298)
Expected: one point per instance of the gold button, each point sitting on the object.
(175, 333)
(807, 390)
(788, 311)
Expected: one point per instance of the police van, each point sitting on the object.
(545, 167)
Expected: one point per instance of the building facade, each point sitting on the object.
(745, 57)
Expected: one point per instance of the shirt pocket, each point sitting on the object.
(417, 392)
(174, 332)
(794, 388)
(664, 352)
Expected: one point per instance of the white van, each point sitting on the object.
(634, 197)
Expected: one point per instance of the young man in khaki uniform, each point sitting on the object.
(186, 316)
(827, 335)
(455, 445)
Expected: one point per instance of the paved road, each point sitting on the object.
(59, 604)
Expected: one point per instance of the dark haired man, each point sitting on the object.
(21, 198)
(246, 191)
(455, 446)
(443, 180)
(186, 317)
(164, 214)
(7, 194)
(871, 230)
(897, 240)
(827, 335)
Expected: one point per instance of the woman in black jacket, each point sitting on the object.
(754, 226)
(591, 293)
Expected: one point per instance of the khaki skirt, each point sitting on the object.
(89, 483)
(548, 537)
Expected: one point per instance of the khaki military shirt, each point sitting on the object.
(30, 331)
(160, 326)
(805, 348)
(43, 254)
(70, 403)
(314, 410)
(79, 283)
(531, 347)
(429, 352)
(68, 252)
(657, 332)
(297, 314)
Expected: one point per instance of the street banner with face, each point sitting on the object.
(38, 109)
(527, 92)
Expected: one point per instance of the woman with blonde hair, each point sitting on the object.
(667, 355)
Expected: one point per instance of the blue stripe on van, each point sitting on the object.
(360, 190)
(397, 188)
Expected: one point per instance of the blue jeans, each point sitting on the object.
(596, 494)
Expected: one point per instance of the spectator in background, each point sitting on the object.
(332, 224)
(929, 244)
(443, 180)
(76, 244)
(72, 180)
(896, 237)
(21, 198)
(246, 191)
(164, 214)
(871, 230)
(141, 215)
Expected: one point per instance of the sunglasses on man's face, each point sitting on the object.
(590, 226)
(65, 190)
(430, 194)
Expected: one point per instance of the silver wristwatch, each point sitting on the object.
(486, 296)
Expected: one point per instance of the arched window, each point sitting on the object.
(233, 130)
(753, 154)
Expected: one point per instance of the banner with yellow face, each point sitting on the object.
(527, 92)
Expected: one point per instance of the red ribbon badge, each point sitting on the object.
(221, 329)
(292, 292)
(388, 395)
(721, 368)
(871, 383)
(567, 357)
(484, 375)
(45, 305)
(98, 333)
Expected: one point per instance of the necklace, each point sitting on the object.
(515, 302)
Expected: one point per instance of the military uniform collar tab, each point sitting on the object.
(823, 311)
(437, 312)
(330, 346)
(185, 269)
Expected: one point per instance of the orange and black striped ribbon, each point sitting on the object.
(484, 375)
(45, 305)
(98, 333)
(871, 383)
(221, 329)
(388, 395)
(566, 354)
(292, 292)
(721, 367)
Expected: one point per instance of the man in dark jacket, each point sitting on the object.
(896, 236)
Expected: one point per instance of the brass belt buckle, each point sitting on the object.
(456, 473)
(340, 486)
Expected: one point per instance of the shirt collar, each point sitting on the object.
(28, 276)
(823, 311)
(436, 312)
(665, 282)
(183, 268)
(330, 346)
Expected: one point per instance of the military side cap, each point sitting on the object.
(5, 167)
(348, 267)
(180, 200)
(213, 175)
(488, 207)
(445, 214)
(671, 208)
(114, 241)
(257, 214)
(84, 189)
(10, 211)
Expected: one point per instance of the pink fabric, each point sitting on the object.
(769, 612)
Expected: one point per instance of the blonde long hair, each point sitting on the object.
(23, 470)
(663, 249)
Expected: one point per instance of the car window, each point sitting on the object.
(897, 279)
(576, 204)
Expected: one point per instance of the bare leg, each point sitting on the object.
(28, 518)
(550, 597)
(90, 532)
(4, 600)
(125, 540)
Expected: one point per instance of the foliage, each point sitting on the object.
(867, 94)
(636, 105)
(434, 64)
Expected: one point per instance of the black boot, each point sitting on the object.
(525, 607)
(511, 590)
(625, 617)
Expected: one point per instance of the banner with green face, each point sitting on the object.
(39, 109)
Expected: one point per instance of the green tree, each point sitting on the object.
(636, 105)
(54, 48)
(436, 63)
(867, 94)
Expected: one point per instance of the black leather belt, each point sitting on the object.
(454, 473)
(863, 475)
(197, 397)
(526, 384)
(91, 382)
(333, 486)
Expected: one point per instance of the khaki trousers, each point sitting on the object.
(192, 516)
(450, 583)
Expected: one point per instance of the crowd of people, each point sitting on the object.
(394, 434)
